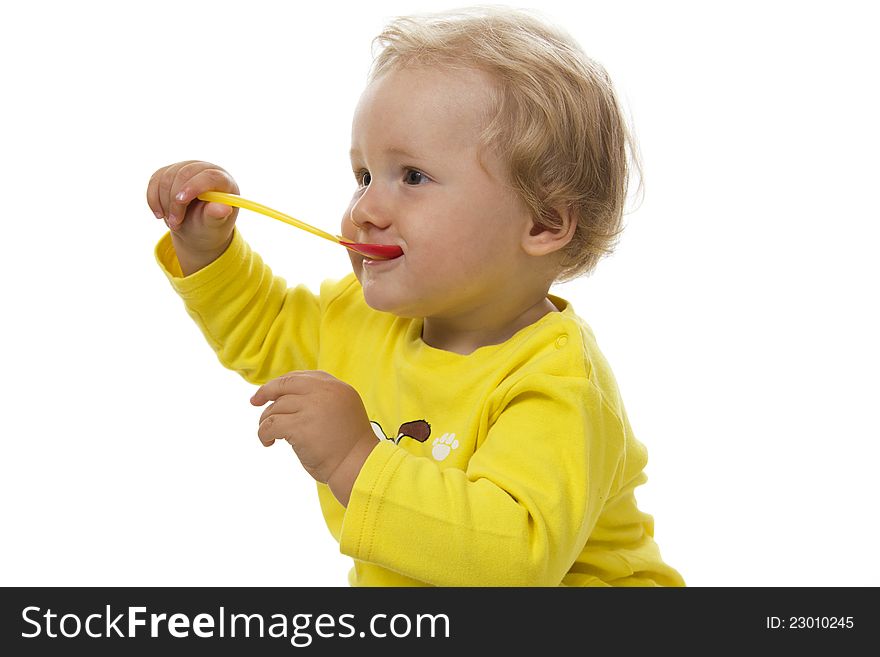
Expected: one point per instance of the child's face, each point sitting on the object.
(415, 148)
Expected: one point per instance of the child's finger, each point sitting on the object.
(285, 404)
(218, 210)
(177, 193)
(153, 197)
(198, 177)
(267, 440)
(193, 180)
(161, 184)
(293, 383)
(270, 431)
(166, 187)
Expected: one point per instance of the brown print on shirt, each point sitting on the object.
(418, 430)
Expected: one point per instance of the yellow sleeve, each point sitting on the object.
(520, 513)
(256, 325)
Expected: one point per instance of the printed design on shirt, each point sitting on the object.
(443, 446)
(418, 430)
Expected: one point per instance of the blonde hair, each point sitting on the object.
(557, 123)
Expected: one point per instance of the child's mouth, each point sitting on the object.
(373, 263)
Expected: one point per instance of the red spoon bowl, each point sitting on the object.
(374, 251)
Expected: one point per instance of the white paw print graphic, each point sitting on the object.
(443, 446)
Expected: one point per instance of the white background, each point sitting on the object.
(739, 312)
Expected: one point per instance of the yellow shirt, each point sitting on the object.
(512, 466)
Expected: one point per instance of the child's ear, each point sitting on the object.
(546, 236)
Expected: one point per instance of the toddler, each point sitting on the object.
(462, 425)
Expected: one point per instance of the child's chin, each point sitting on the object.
(386, 303)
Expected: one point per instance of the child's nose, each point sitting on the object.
(371, 210)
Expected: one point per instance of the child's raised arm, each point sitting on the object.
(200, 231)
(255, 324)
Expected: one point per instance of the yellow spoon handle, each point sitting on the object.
(239, 202)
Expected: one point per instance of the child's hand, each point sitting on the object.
(325, 422)
(201, 231)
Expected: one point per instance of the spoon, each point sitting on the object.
(371, 251)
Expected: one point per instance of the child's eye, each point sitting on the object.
(414, 177)
(363, 177)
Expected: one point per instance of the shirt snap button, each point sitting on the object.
(561, 341)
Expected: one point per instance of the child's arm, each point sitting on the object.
(521, 512)
(251, 319)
